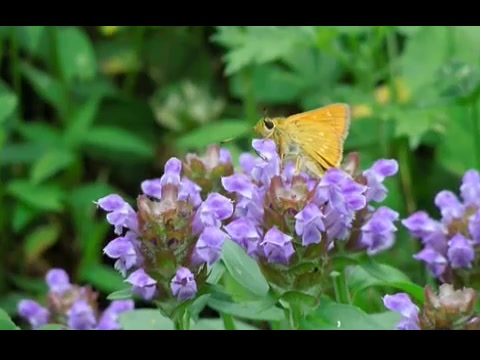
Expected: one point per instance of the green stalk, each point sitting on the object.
(340, 288)
(131, 80)
(228, 322)
(250, 103)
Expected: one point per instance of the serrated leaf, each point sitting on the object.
(44, 197)
(75, 54)
(8, 104)
(39, 240)
(212, 133)
(50, 163)
(144, 319)
(117, 140)
(244, 269)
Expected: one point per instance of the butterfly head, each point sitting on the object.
(265, 127)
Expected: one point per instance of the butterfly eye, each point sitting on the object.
(268, 124)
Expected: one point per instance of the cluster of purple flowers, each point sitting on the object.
(173, 236)
(274, 206)
(449, 244)
(72, 305)
(273, 213)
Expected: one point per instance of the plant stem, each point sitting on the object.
(182, 321)
(228, 322)
(406, 176)
(294, 316)
(342, 295)
(14, 58)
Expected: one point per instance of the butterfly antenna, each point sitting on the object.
(228, 140)
(265, 112)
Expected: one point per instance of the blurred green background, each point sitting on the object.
(88, 111)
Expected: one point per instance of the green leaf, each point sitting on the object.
(429, 43)
(40, 240)
(254, 310)
(244, 269)
(22, 216)
(30, 285)
(115, 139)
(21, 153)
(144, 319)
(456, 150)
(50, 163)
(29, 37)
(102, 277)
(217, 324)
(393, 277)
(333, 316)
(44, 197)
(53, 327)
(387, 319)
(212, 133)
(122, 294)
(40, 132)
(6, 322)
(45, 86)
(457, 80)
(8, 104)
(75, 54)
(81, 121)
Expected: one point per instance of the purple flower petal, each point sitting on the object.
(309, 224)
(209, 244)
(244, 232)
(240, 184)
(81, 316)
(460, 252)
(401, 303)
(152, 188)
(172, 170)
(58, 281)
(122, 249)
(33, 312)
(109, 318)
(225, 157)
(470, 188)
(183, 285)
(143, 284)
(247, 162)
(449, 205)
(378, 234)
(436, 262)
(277, 246)
(474, 227)
(111, 202)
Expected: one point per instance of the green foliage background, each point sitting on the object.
(88, 111)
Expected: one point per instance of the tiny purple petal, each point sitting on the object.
(209, 244)
(109, 318)
(58, 281)
(470, 188)
(33, 312)
(111, 202)
(436, 262)
(378, 234)
(309, 224)
(152, 188)
(225, 156)
(240, 184)
(247, 162)
(449, 205)
(474, 227)
(265, 147)
(190, 191)
(183, 285)
(81, 316)
(277, 246)
(385, 167)
(244, 232)
(122, 249)
(172, 170)
(460, 252)
(143, 284)
(401, 303)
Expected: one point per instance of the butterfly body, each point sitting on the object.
(312, 139)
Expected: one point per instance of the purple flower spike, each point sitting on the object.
(474, 227)
(239, 184)
(143, 284)
(172, 170)
(122, 249)
(81, 316)
(378, 234)
(183, 285)
(436, 262)
(375, 176)
(244, 232)
(309, 224)
(277, 246)
(109, 319)
(449, 205)
(470, 188)
(209, 245)
(460, 252)
(401, 303)
(120, 213)
(58, 281)
(33, 312)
